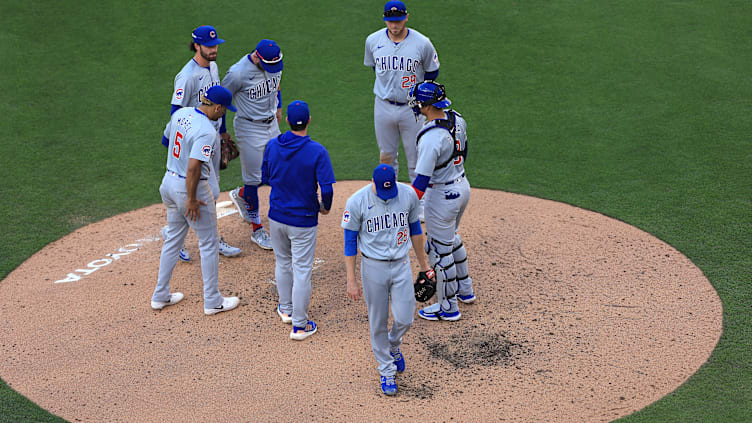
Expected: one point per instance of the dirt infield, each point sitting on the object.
(579, 317)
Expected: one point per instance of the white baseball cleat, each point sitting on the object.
(286, 318)
(467, 299)
(228, 303)
(228, 250)
(240, 204)
(299, 334)
(434, 312)
(175, 298)
(260, 237)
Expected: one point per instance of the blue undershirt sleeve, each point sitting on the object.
(431, 75)
(165, 141)
(222, 127)
(421, 182)
(327, 194)
(415, 228)
(279, 99)
(351, 242)
(173, 109)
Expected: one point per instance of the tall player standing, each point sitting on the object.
(400, 56)
(254, 81)
(193, 81)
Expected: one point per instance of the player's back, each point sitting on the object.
(191, 135)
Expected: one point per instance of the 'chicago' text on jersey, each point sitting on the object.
(264, 88)
(203, 90)
(386, 221)
(397, 63)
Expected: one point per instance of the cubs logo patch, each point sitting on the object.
(179, 94)
(212, 34)
(451, 195)
(206, 150)
(346, 216)
(435, 57)
(387, 184)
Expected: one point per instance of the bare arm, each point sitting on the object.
(354, 290)
(418, 242)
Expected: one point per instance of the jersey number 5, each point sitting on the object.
(177, 147)
(408, 81)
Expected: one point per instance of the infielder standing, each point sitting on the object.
(192, 82)
(442, 148)
(296, 166)
(399, 57)
(189, 198)
(254, 81)
(382, 219)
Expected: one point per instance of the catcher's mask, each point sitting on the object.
(427, 93)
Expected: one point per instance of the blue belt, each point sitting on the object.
(169, 172)
(389, 260)
(459, 178)
(395, 103)
(264, 120)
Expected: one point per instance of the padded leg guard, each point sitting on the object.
(440, 257)
(460, 262)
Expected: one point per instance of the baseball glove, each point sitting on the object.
(425, 285)
(229, 152)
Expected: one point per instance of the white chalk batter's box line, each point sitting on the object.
(224, 208)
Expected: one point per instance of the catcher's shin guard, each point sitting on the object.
(460, 263)
(440, 257)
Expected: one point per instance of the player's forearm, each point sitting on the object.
(350, 268)
(192, 177)
(418, 242)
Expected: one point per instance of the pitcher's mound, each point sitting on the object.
(579, 317)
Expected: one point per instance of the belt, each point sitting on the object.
(459, 178)
(264, 120)
(389, 260)
(169, 172)
(396, 103)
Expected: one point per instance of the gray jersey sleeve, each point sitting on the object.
(184, 87)
(353, 215)
(430, 150)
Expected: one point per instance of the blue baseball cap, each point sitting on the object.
(221, 95)
(385, 180)
(298, 113)
(206, 35)
(270, 55)
(395, 11)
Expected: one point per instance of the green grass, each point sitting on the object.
(638, 110)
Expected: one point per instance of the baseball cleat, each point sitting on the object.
(399, 360)
(434, 312)
(260, 237)
(184, 256)
(286, 318)
(388, 385)
(175, 298)
(300, 334)
(467, 299)
(228, 303)
(240, 204)
(228, 250)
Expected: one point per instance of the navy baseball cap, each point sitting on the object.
(206, 35)
(395, 11)
(385, 180)
(297, 112)
(270, 55)
(221, 95)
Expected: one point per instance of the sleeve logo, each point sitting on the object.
(346, 216)
(206, 150)
(179, 94)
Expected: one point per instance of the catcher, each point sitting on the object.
(382, 220)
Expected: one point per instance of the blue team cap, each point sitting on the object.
(221, 95)
(270, 55)
(206, 35)
(395, 11)
(385, 179)
(297, 112)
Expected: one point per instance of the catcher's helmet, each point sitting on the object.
(428, 93)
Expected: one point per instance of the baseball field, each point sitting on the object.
(636, 110)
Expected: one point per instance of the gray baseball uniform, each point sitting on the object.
(384, 241)
(445, 201)
(398, 66)
(255, 95)
(192, 136)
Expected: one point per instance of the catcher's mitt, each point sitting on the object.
(229, 152)
(425, 285)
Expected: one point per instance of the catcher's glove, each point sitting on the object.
(425, 285)
(229, 152)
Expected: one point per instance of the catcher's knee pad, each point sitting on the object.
(460, 259)
(444, 266)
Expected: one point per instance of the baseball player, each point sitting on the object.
(193, 81)
(382, 220)
(254, 81)
(400, 56)
(295, 167)
(187, 193)
(442, 149)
